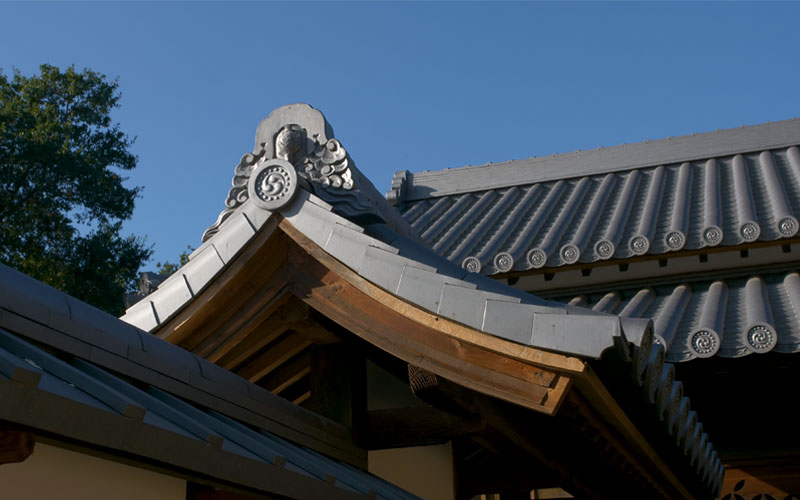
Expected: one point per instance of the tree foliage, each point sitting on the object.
(62, 197)
(167, 267)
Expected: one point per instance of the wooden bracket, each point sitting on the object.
(15, 445)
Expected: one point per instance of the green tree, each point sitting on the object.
(167, 267)
(62, 198)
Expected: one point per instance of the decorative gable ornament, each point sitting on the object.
(295, 148)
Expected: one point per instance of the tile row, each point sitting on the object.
(730, 317)
(729, 200)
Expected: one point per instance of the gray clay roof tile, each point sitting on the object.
(730, 317)
(724, 188)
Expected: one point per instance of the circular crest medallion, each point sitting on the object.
(273, 184)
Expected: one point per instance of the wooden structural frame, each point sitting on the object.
(264, 313)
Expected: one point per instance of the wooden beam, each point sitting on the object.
(548, 361)
(265, 327)
(221, 333)
(241, 322)
(288, 373)
(273, 358)
(315, 332)
(302, 398)
(777, 477)
(404, 336)
(15, 445)
(401, 427)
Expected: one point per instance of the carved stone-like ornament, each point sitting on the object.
(673, 411)
(238, 193)
(712, 235)
(664, 392)
(675, 240)
(570, 253)
(704, 343)
(788, 226)
(503, 262)
(537, 258)
(329, 166)
(750, 231)
(604, 249)
(639, 244)
(471, 264)
(273, 184)
(299, 136)
(289, 142)
(655, 365)
(760, 338)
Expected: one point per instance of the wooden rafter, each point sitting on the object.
(288, 373)
(272, 358)
(401, 427)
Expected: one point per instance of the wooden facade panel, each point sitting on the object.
(779, 478)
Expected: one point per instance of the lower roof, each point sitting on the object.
(92, 379)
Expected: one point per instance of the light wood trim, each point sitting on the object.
(473, 366)
(526, 354)
(212, 299)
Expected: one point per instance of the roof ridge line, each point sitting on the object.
(623, 157)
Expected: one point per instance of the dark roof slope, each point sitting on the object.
(70, 370)
(660, 197)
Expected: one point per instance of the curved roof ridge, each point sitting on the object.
(692, 147)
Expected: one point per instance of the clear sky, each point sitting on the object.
(418, 86)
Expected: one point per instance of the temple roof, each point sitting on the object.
(725, 188)
(300, 181)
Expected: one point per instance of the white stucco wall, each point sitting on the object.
(52, 472)
(426, 471)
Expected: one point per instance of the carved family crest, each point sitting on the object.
(293, 150)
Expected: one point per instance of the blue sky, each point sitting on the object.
(418, 86)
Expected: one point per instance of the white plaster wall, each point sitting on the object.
(52, 472)
(426, 471)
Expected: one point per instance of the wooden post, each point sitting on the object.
(338, 383)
